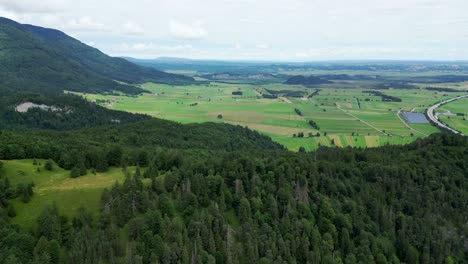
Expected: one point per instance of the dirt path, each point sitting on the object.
(285, 99)
(259, 94)
(364, 122)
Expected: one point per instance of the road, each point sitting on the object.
(286, 100)
(364, 122)
(434, 118)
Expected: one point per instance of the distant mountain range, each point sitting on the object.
(196, 61)
(202, 66)
(48, 61)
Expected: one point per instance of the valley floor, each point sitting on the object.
(346, 117)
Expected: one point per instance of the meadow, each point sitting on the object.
(346, 117)
(57, 187)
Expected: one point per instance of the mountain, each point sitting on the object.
(174, 60)
(306, 81)
(49, 61)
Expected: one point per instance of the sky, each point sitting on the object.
(274, 30)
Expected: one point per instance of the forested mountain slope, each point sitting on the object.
(47, 60)
(84, 145)
(69, 112)
(224, 194)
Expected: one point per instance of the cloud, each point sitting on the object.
(302, 55)
(240, 2)
(252, 21)
(152, 48)
(9, 14)
(84, 24)
(262, 46)
(91, 43)
(371, 52)
(33, 6)
(131, 28)
(187, 32)
(267, 29)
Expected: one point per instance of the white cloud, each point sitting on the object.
(84, 24)
(9, 14)
(151, 47)
(267, 29)
(33, 6)
(131, 28)
(252, 21)
(237, 47)
(302, 55)
(187, 32)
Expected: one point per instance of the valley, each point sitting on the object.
(345, 116)
(117, 160)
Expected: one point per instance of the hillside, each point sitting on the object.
(148, 134)
(61, 112)
(49, 61)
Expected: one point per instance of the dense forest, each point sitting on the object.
(306, 80)
(225, 194)
(71, 112)
(385, 97)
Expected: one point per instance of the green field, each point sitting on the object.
(337, 112)
(449, 115)
(56, 186)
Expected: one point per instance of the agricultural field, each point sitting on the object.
(345, 116)
(455, 114)
(57, 187)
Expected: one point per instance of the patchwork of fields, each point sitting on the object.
(345, 117)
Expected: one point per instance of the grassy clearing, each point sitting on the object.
(57, 187)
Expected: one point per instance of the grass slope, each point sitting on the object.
(57, 187)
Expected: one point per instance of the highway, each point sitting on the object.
(434, 118)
